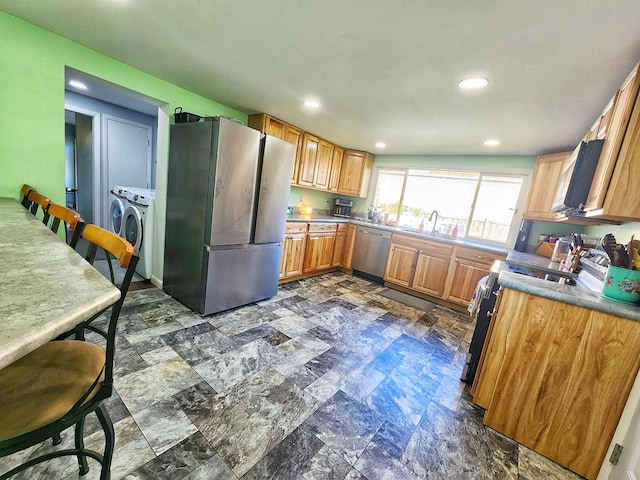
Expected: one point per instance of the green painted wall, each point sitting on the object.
(32, 74)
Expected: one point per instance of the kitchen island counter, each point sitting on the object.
(568, 294)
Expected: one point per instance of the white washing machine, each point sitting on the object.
(118, 205)
(138, 225)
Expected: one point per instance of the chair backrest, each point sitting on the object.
(25, 190)
(123, 251)
(70, 219)
(36, 200)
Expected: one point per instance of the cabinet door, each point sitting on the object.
(338, 248)
(336, 165)
(323, 165)
(295, 255)
(543, 186)
(275, 128)
(616, 127)
(286, 244)
(400, 266)
(327, 244)
(308, 160)
(312, 248)
(431, 274)
(294, 135)
(348, 247)
(352, 171)
(463, 277)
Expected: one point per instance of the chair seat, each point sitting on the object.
(44, 385)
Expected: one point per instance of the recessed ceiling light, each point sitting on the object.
(380, 145)
(492, 142)
(311, 103)
(78, 84)
(473, 83)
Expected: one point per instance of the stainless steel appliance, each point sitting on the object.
(342, 208)
(481, 308)
(577, 174)
(370, 252)
(227, 196)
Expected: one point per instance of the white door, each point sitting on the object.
(127, 154)
(628, 467)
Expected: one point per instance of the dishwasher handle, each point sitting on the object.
(378, 233)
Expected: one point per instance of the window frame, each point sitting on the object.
(525, 174)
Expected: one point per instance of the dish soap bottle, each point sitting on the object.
(421, 226)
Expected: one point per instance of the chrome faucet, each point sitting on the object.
(433, 229)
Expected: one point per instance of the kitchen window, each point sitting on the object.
(474, 205)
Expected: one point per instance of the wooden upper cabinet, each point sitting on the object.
(308, 160)
(355, 173)
(294, 135)
(323, 165)
(543, 186)
(315, 162)
(336, 164)
(279, 129)
(619, 128)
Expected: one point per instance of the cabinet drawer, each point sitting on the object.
(435, 249)
(295, 227)
(323, 227)
(477, 256)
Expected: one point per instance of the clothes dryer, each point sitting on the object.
(138, 225)
(118, 206)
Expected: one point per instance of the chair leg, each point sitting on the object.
(109, 441)
(82, 458)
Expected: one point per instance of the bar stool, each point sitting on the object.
(25, 194)
(38, 200)
(57, 385)
(69, 218)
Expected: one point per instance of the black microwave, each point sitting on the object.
(576, 177)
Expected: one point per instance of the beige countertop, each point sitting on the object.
(46, 288)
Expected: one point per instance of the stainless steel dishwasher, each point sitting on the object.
(370, 251)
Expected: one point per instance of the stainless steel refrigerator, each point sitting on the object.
(227, 195)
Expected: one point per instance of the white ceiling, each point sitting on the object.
(382, 70)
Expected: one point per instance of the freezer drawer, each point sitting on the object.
(240, 275)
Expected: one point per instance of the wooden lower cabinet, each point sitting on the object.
(338, 247)
(319, 247)
(349, 242)
(436, 268)
(468, 265)
(432, 266)
(401, 262)
(556, 377)
(418, 264)
(293, 249)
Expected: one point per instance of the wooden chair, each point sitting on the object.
(70, 219)
(25, 190)
(38, 200)
(57, 385)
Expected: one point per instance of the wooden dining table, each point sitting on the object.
(46, 287)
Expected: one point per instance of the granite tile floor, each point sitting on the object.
(327, 380)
